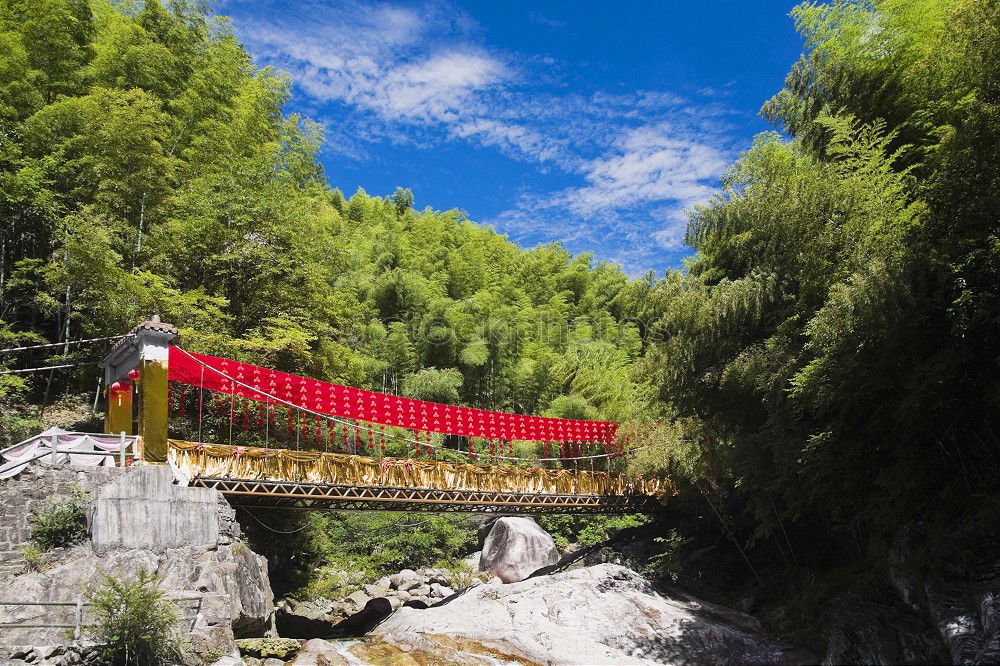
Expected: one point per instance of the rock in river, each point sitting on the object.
(605, 614)
(515, 548)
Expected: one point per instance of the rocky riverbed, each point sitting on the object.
(419, 588)
(515, 601)
(601, 614)
(604, 614)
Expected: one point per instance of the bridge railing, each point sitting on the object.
(78, 622)
(233, 462)
(76, 448)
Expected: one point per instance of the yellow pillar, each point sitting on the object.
(153, 410)
(118, 412)
(145, 348)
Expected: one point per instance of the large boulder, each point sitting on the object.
(317, 651)
(208, 580)
(266, 648)
(483, 530)
(515, 548)
(948, 610)
(966, 611)
(605, 614)
(365, 619)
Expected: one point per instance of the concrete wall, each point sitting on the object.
(143, 509)
(135, 507)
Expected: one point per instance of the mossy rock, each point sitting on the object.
(262, 648)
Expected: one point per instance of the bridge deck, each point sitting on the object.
(315, 480)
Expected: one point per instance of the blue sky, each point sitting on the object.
(592, 123)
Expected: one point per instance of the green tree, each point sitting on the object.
(402, 199)
(133, 623)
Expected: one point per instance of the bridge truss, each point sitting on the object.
(300, 495)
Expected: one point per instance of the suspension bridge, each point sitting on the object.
(266, 438)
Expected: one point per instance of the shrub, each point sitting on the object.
(461, 575)
(134, 622)
(33, 557)
(17, 420)
(389, 541)
(339, 578)
(669, 565)
(63, 521)
(323, 553)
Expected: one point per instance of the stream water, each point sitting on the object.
(437, 649)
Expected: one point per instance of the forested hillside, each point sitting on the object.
(824, 371)
(832, 353)
(147, 166)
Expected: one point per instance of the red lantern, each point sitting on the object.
(116, 387)
(133, 374)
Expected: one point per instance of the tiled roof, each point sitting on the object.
(153, 324)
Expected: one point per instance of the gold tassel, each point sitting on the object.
(252, 463)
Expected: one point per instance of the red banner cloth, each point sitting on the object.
(351, 403)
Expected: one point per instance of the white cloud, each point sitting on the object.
(671, 236)
(437, 89)
(511, 138)
(634, 196)
(421, 74)
(542, 19)
(382, 58)
(653, 163)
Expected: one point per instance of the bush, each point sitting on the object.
(461, 575)
(339, 578)
(134, 622)
(587, 530)
(18, 421)
(672, 564)
(63, 521)
(17, 425)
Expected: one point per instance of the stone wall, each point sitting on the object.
(31, 491)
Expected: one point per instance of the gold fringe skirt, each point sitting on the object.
(233, 462)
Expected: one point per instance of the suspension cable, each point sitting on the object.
(42, 369)
(373, 432)
(60, 344)
(268, 527)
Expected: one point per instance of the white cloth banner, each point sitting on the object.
(56, 446)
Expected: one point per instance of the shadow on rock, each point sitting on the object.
(298, 626)
(362, 622)
(693, 644)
